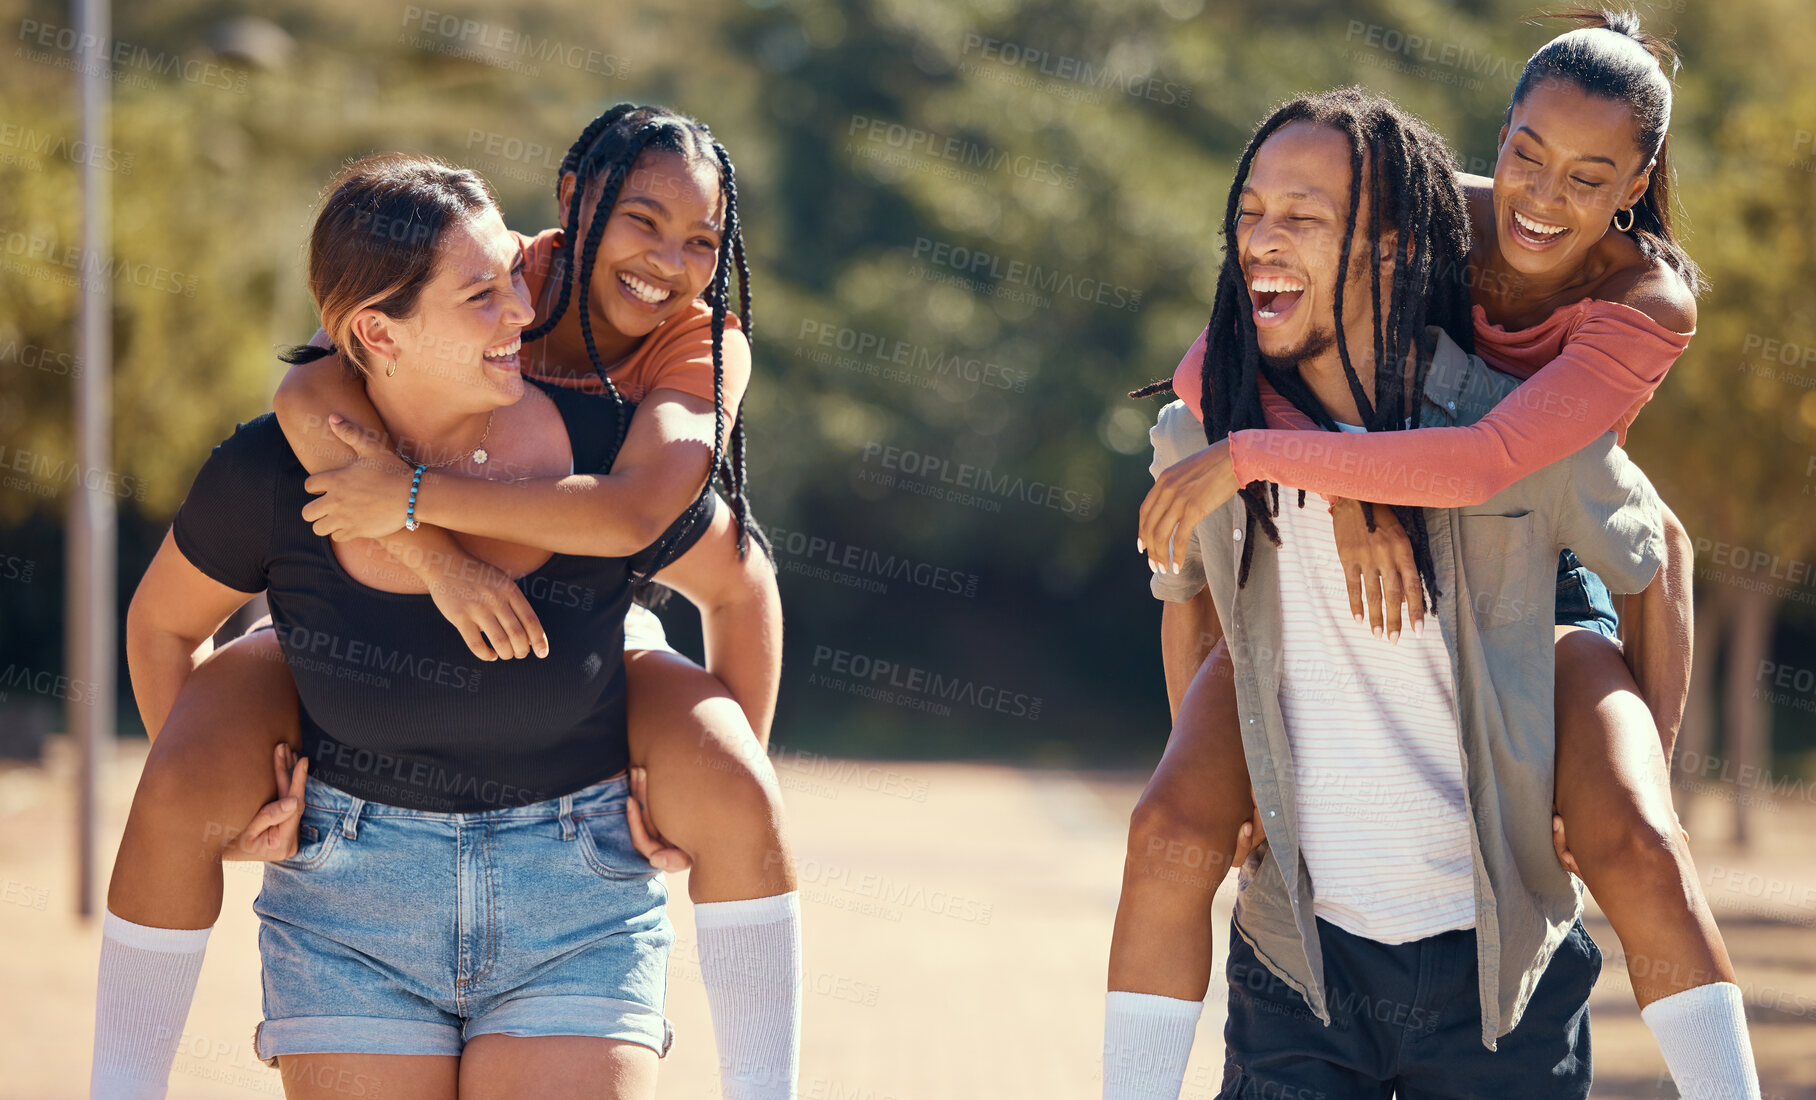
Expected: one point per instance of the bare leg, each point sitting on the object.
(1614, 794)
(712, 791)
(207, 774)
(210, 769)
(1182, 837)
(559, 1067)
(714, 795)
(339, 1076)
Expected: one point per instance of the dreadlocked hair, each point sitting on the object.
(1406, 169)
(607, 150)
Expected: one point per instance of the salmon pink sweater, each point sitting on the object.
(1588, 368)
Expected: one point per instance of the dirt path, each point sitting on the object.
(956, 920)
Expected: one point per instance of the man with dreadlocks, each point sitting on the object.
(1406, 928)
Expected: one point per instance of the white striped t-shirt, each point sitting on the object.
(1377, 757)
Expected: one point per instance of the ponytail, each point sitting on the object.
(1610, 56)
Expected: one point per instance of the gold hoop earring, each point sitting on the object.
(1617, 219)
(392, 369)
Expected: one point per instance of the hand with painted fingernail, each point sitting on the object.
(1378, 569)
(1183, 495)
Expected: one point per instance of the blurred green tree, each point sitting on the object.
(974, 226)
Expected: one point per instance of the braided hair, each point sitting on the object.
(607, 150)
(1407, 170)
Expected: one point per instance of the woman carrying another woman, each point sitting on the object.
(1580, 288)
(699, 733)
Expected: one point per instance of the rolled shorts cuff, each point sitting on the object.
(352, 1035)
(594, 1017)
(527, 1017)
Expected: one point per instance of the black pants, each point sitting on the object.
(1405, 1022)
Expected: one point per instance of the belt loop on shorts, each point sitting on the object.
(350, 819)
(566, 813)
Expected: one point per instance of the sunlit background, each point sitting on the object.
(974, 225)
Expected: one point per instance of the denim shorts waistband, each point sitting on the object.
(323, 796)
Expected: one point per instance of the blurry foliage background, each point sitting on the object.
(228, 118)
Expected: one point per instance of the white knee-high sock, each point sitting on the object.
(750, 960)
(1703, 1034)
(1147, 1040)
(147, 980)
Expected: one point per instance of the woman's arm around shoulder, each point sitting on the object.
(310, 393)
(656, 475)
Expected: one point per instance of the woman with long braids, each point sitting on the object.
(1581, 288)
(465, 912)
(656, 197)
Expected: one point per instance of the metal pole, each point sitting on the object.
(89, 596)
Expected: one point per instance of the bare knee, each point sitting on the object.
(739, 776)
(211, 767)
(723, 807)
(713, 791)
(697, 741)
(169, 800)
(188, 795)
(1191, 834)
(1628, 842)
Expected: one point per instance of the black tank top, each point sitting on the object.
(394, 707)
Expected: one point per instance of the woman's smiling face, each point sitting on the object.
(661, 240)
(1568, 162)
(458, 349)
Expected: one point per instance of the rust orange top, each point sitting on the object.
(678, 355)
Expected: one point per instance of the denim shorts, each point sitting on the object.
(1406, 1022)
(399, 931)
(1582, 598)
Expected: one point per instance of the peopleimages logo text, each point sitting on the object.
(976, 263)
(939, 471)
(301, 643)
(1137, 85)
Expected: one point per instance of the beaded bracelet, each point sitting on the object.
(410, 523)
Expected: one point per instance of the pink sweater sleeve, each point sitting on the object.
(1188, 376)
(1609, 366)
(1188, 386)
